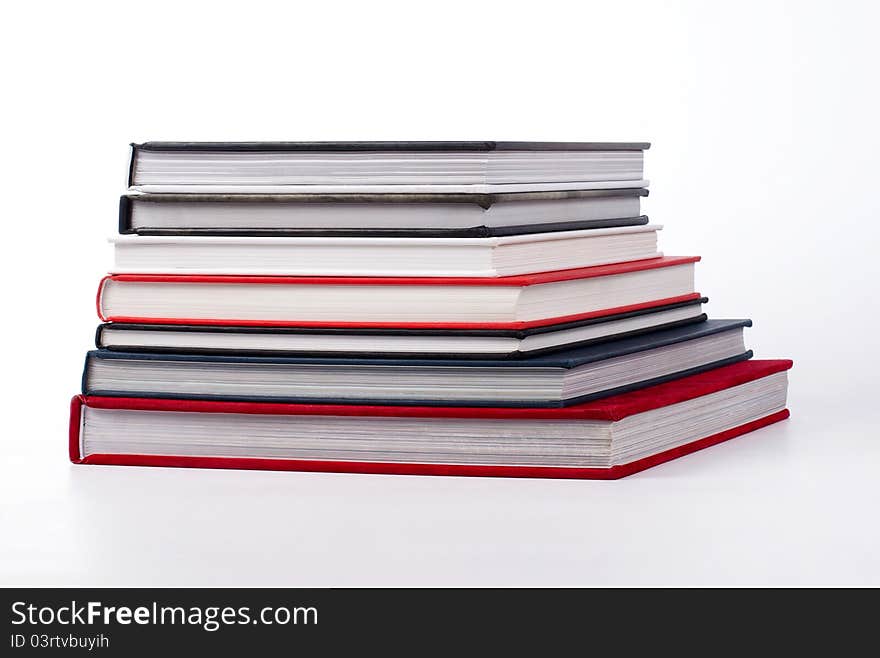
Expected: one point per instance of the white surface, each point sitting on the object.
(762, 117)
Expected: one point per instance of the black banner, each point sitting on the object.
(147, 621)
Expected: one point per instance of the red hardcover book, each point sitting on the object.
(512, 302)
(606, 439)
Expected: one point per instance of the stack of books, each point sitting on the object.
(456, 308)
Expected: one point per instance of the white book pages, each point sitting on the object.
(156, 167)
(382, 188)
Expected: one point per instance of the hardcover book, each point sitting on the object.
(605, 439)
(416, 167)
(508, 302)
(378, 215)
(558, 379)
(385, 256)
(391, 342)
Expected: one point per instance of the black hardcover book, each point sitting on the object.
(158, 166)
(390, 342)
(379, 214)
(551, 380)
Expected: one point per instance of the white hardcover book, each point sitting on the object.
(380, 256)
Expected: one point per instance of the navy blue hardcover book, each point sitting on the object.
(549, 380)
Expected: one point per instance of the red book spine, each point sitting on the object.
(76, 405)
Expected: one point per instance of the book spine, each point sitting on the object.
(131, 164)
(100, 293)
(99, 335)
(125, 215)
(76, 404)
(84, 381)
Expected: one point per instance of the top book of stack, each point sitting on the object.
(444, 189)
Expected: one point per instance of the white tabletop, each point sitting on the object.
(784, 505)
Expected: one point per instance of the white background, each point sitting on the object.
(763, 118)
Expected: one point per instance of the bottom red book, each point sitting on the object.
(604, 439)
